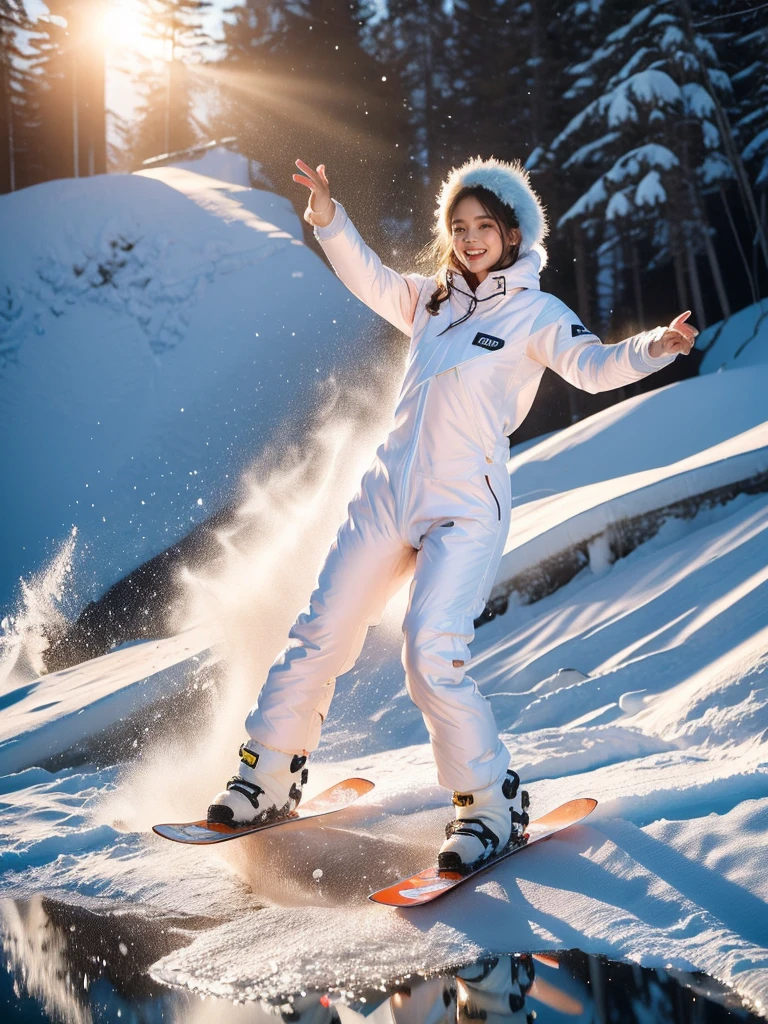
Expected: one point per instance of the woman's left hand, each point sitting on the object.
(679, 337)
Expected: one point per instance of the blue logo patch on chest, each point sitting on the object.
(488, 341)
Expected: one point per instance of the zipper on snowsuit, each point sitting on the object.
(498, 506)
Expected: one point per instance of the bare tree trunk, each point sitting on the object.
(6, 130)
(8, 174)
(726, 134)
(637, 286)
(580, 266)
(698, 211)
(693, 275)
(682, 291)
(75, 125)
(764, 222)
(167, 123)
(714, 266)
(537, 63)
(11, 150)
(751, 273)
(428, 77)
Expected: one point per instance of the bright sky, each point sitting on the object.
(123, 33)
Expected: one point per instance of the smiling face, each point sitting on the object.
(477, 240)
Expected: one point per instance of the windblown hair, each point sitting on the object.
(439, 252)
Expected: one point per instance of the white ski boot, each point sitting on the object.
(487, 821)
(268, 787)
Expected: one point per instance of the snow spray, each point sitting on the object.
(258, 577)
(24, 637)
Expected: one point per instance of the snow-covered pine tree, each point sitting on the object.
(646, 148)
(742, 38)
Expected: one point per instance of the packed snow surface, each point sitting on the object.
(643, 685)
(642, 682)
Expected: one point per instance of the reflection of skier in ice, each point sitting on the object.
(435, 503)
(493, 990)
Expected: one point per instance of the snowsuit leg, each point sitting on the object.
(455, 570)
(367, 563)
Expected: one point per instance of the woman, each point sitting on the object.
(435, 502)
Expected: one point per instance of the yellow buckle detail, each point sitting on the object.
(248, 757)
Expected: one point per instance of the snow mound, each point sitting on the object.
(741, 340)
(158, 329)
(220, 162)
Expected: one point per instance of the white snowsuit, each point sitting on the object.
(436, 499)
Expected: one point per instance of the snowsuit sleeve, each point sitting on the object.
(576, 354)
(391, 295)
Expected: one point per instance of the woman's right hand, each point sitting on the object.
(320, 207)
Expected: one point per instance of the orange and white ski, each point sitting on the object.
(428, 885)
(204, 833)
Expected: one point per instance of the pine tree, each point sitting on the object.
(165, 119)
(297, 81)
(646, 147)
(65, 127)
(414, 41)
(502, 79)
(14, 84)
(744, 42)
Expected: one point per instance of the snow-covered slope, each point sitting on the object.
(662, 718)
(642, 683)
(45, 716)
(647, 432)
(160, 329)
(741, 340)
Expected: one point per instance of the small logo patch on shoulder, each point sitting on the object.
(577, 329)
(488, 341)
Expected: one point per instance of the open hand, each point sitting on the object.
(320, 207)
(679, 337)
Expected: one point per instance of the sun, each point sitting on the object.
(124, 30)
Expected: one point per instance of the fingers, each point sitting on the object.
(680, 343)
(686, 331)
(318, 177)
(679, 339)
(313, 175)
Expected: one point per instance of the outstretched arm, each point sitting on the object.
(577, 355)
(391, 295)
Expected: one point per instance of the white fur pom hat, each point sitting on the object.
(511, 183)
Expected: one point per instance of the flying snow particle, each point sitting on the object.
(317, 874)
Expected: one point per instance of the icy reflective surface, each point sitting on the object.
(64, 963)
